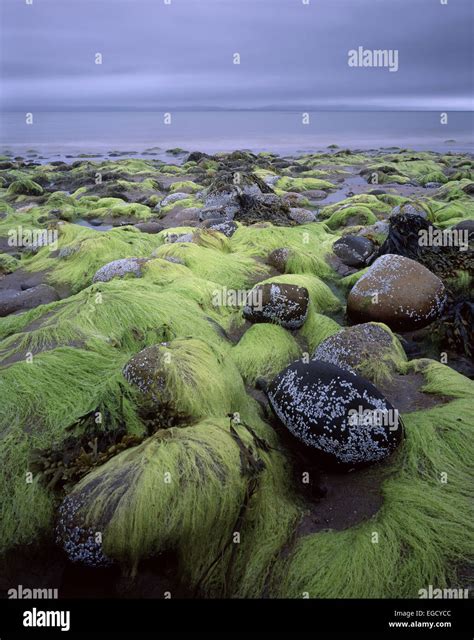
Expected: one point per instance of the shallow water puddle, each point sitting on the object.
(96, 227)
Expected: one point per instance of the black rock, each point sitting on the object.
(283, 304)
(469, 188)
(195, 156)
(465, 225)
(342, 416)
(353, 250)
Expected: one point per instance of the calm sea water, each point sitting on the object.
(282, 132)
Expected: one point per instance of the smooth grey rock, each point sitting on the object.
(13, 300)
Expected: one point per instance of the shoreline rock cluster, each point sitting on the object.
(208, 332)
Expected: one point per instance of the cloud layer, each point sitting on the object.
(180, 55)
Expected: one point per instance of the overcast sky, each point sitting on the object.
(293, 55)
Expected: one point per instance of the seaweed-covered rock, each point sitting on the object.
(365, 349)
(119, 269)
(25, 187)
(8, 263)
(196, 156)
(181, 489)
(227, 187)
(339, 414)
(399, 292)
(353, 250)
(174, 379)
(351, 215)
(284, 304)
(263, 351)
(265, 207)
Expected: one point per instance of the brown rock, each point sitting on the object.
(397, 291)
(149, 227)
(278, 259)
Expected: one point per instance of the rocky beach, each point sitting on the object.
(237, 375)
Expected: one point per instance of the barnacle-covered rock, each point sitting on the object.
(302, 216)
(278, 258)
(227, 227)
(399, 292)
(339, 414)
(366, 349)
(81, 543)
(181, 489)
(119, 269)
(172, 198)
(284, 304)
(409, 209)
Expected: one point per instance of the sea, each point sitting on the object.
(66, 134)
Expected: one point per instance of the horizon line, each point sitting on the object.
(295, 109)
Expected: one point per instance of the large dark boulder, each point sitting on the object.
(341, 416)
